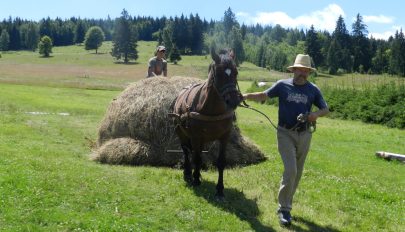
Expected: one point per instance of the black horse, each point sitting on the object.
(205, 112)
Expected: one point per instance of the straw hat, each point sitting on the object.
(302, 61)
(160, 48)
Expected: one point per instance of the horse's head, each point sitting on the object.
(223, 73)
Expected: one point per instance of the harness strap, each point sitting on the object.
(209, 118)
(195, 115)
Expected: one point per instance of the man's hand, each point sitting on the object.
(258, 96)
(312, 117)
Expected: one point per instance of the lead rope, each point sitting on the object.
(247, 106)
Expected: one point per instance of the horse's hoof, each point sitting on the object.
(196, 183)
(219, 197)
(188, 179)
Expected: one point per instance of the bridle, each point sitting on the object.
(225, 89)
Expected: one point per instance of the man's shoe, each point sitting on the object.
(284, 217)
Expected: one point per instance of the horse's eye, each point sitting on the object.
(228, 71)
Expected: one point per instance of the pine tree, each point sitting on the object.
(167, 36)
(380, 61)
(181, 34)
(197, 38)
(333, 56)
(15, 38)
(175, 55)
(341, 33)
(361, 46)
(229, 20)
(125, 39)
(260, 56)
(313, 46)
(278, 33)
(339, 49)
(80, 31)
(292, 37)
(46, 27)
(236, 43)
(397, 60)
(4, 40)
(32, 37)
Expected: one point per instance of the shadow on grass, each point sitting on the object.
(235, 202)
(123, 63)
(312, 227)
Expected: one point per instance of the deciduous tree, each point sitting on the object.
(45, 46)
(94, 38)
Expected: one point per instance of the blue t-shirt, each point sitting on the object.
(294, 100)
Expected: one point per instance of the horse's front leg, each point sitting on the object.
(186, 147)
(221, 162)
(197, 149)
(187, 165)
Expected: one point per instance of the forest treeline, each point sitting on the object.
(272, 47)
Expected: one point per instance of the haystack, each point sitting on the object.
(136, 129)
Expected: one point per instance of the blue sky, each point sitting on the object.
(383, 18)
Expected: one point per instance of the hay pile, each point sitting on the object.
(136, 129)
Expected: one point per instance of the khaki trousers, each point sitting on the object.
(293, 147)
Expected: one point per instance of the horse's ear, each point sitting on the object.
(215, 56)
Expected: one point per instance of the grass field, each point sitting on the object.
(50, 111)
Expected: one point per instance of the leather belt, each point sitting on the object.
(298, 128)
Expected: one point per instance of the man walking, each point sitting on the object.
(296, 97)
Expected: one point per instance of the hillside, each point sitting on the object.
(51, 108)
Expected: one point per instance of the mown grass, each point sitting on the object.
(73, 66)
(47, 182)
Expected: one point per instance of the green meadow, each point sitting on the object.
(50, 109)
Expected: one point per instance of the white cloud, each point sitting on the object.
(242, 14)
(398, 28)
(385, 35)
(324, 19)
(378, 19)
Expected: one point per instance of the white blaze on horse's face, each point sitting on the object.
(228, 72)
